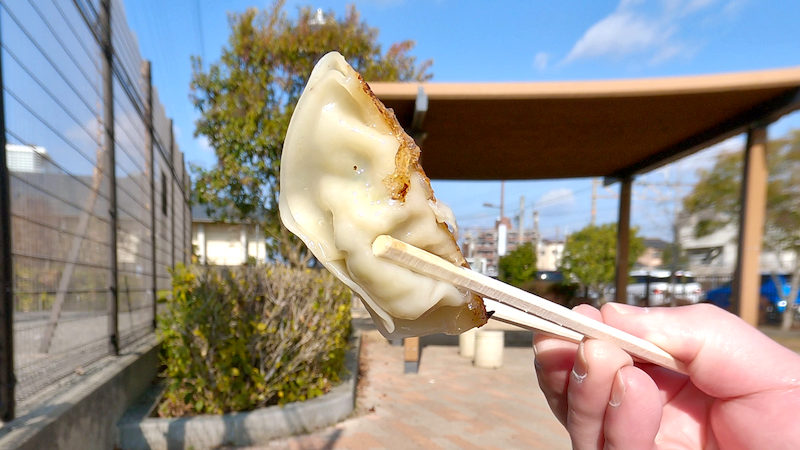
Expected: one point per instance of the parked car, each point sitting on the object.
(771, 302)
(652, 288)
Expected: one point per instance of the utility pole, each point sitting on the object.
(595, 182)
(672, 196)
(521, 220)
(595, 196)
(502, 199)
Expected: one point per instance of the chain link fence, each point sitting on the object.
(94, 195)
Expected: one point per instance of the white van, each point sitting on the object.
(652, 288)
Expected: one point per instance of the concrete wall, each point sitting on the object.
(85, 415)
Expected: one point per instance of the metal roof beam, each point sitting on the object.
(420, 109)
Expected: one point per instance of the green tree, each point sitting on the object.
(715, 202)
(519, 265)
(247, 98)
(590, 255)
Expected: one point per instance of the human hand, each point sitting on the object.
(742, 390)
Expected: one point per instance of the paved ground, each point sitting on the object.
(449, 404)
(788, 338)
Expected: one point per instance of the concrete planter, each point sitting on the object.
(137, 431)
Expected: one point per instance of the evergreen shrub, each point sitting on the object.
(236, 339)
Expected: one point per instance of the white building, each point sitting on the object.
(481, 248)
(226, 243)
(549, 253)
(26, 158)
(714, 255)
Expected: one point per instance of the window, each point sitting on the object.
(164, 195)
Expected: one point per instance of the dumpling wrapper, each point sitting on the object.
(350, 173)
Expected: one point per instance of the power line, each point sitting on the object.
(199, 27)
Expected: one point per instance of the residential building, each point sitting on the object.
(480, 247)
(549, 253)
(226, 243)
(714, 255)
(26, 158)
(653, 254)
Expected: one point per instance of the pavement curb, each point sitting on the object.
(137, 431)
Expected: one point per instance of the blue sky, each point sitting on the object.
(516, 41)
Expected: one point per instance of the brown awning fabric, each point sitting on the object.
(541, 130)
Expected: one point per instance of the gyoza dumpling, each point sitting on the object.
(350, 173)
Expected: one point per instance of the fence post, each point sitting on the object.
(7, 379)
(186, 242)
(172, 183)
(149, 148)
(109, 147)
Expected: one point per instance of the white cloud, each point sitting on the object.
(387, 3)
(647, 30)
(556, 199)
(667, 52)
(203, 145)
(733, 7)
(540, 61)
(619, 34)
(696, 5)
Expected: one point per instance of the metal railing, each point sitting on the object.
(93, 192)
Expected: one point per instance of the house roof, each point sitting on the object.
(656, 243)
(614, 128)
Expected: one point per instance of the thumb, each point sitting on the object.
(725, 356)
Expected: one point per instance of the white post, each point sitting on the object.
(243, 242)
(502, 236)
(201, 242)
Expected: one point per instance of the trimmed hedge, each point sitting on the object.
(235, 339)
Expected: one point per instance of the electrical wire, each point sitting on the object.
(52, 128)
(61, 43)
(52, 96)
(42, 52)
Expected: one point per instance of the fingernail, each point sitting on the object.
(617, 390)
(536, 364)
(579, 368)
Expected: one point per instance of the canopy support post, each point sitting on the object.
(623, 239)
(751, 226)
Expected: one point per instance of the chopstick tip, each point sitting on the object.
(382, 244)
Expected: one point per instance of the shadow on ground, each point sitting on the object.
(513, 338)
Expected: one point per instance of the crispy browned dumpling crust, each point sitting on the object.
(406, 163)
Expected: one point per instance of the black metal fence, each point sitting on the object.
(93, 192)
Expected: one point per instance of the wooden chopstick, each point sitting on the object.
(426, 263)
(513, 316)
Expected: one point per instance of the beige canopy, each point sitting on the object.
(540, 130)
(614, 129)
